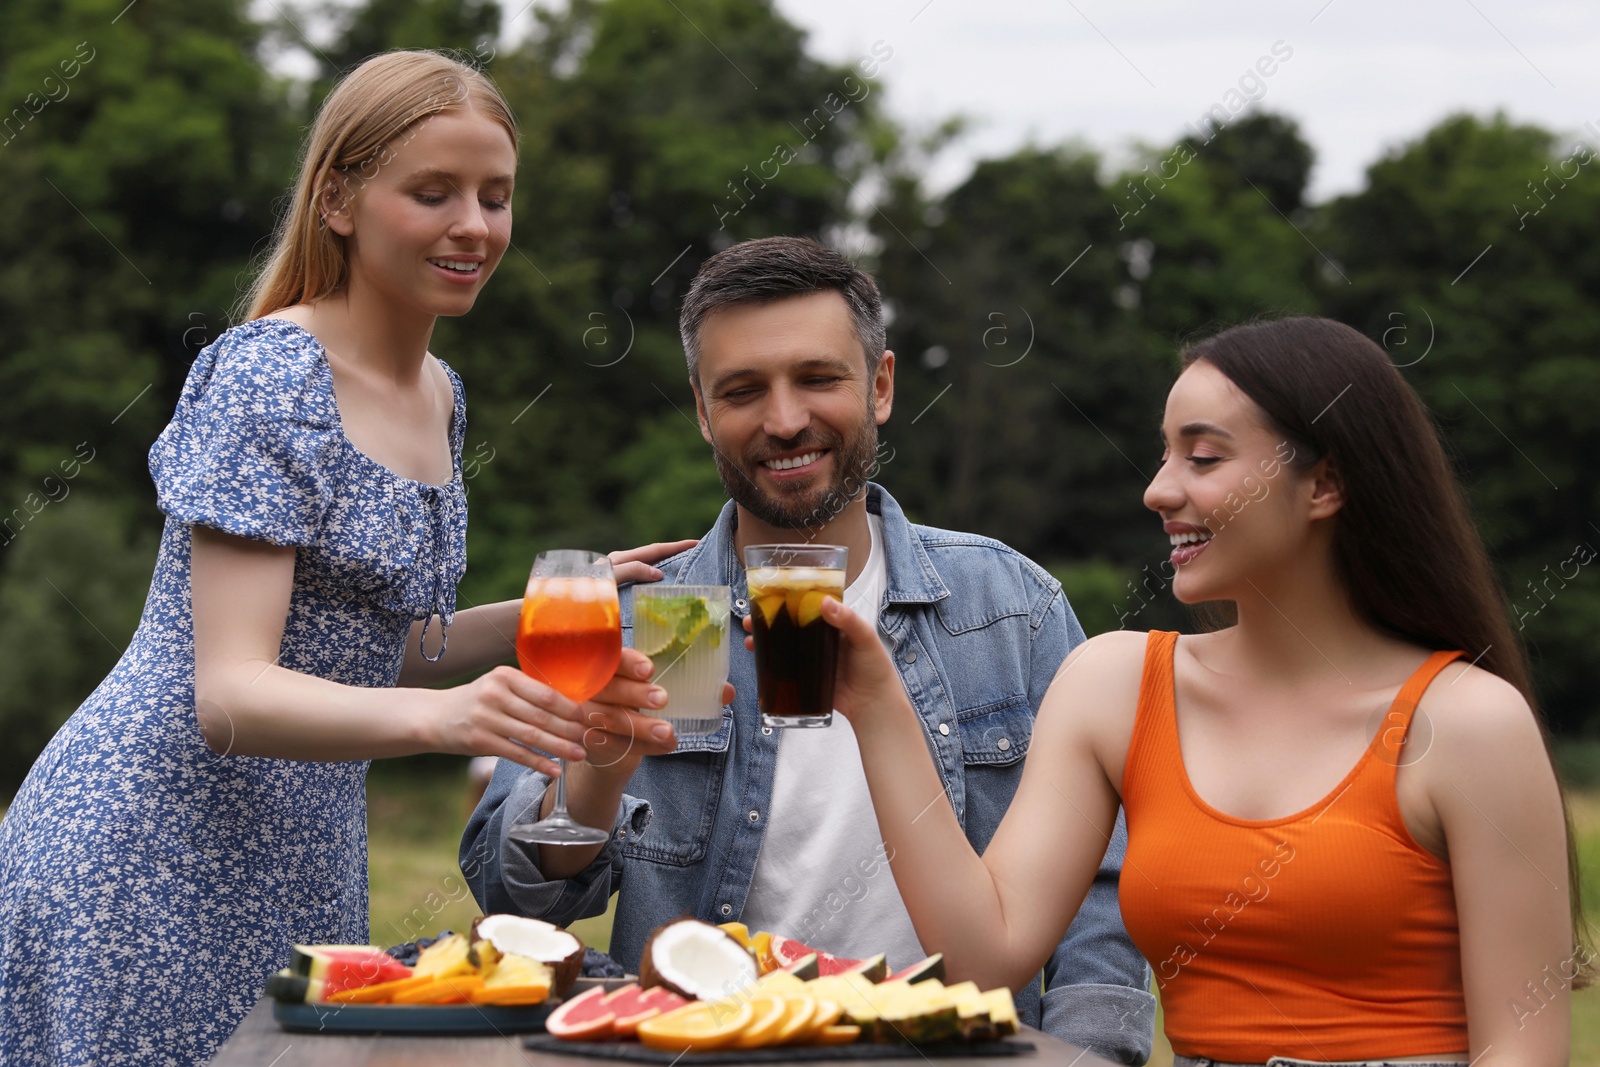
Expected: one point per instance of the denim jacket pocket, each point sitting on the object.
(683, 788)
(996, 734)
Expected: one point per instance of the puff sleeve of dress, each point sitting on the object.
(246, 450)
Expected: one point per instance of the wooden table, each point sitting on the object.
(259, 1043)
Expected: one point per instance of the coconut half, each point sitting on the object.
(696, 960)
(514, 935)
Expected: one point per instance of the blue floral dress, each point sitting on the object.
(148, 886)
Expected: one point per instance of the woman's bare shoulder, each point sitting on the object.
(1095, 695)
(1108, 654)
(1473, 714)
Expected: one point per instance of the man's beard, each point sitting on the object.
(804, 508)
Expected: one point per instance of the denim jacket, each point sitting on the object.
(977, 632)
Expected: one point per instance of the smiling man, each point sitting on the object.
(775, 828)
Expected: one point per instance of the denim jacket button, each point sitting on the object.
(755, 816)
(741, 604)
(944, 729)
(1003, 744)
(727, 909)
(766, 729)
(910, 656)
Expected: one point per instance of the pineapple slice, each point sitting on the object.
(516, 980)
(1002, 1011)
(973, 1012)
(444, 958)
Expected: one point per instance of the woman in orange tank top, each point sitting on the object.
(1346, 839)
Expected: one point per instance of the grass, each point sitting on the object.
(415, 818)
(415, 815)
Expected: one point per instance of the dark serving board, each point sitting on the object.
(409, 1018)
(637, 1053)
(426, 1018)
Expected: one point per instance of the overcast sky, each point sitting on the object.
(1365, 75)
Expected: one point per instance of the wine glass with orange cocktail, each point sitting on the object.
(570, 638)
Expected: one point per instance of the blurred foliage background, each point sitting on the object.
(1036, 309)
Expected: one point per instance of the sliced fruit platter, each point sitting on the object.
(504, 975)
(705, 988)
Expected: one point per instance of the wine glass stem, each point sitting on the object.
(560, 811)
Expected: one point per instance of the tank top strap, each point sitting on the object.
(1396, 727)
(1153, 750)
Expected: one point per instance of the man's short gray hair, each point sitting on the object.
(772, 268)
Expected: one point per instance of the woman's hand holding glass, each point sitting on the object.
(621, 723)
(866, 685)
(505, 713)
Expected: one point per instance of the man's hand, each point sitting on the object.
(616, 737)
(635, 564)
(617, 733)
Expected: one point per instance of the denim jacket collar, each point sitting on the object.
(912, 577)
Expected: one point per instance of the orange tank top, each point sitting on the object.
(1329, 934)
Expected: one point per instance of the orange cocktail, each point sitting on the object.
(570, 634)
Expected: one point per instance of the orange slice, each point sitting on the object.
(697, 1027)
(826, 1014)
(797, 1021)
(770, 1012)
(836, 1035)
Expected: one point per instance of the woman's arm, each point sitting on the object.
(248, 705)
(995, 918)
(484, 636)
(1494, 792)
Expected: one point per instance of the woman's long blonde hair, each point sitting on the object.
(354, 135)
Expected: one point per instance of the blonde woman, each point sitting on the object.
(205, 807)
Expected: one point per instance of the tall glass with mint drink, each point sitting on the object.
(684, 631)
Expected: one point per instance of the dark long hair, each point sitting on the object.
(1404, 544)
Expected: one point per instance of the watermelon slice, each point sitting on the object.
(586, 1017)
(789, 952)
(294, 988)
(804, 968)
(932, 967)
(342, 967)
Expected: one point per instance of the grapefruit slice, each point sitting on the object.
(632, 1005)
(586, 1017)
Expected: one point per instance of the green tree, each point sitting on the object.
(140, 152)
(1471, 253)
(1038, 311)
(645, 147)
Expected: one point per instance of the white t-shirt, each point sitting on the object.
(823, 877)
